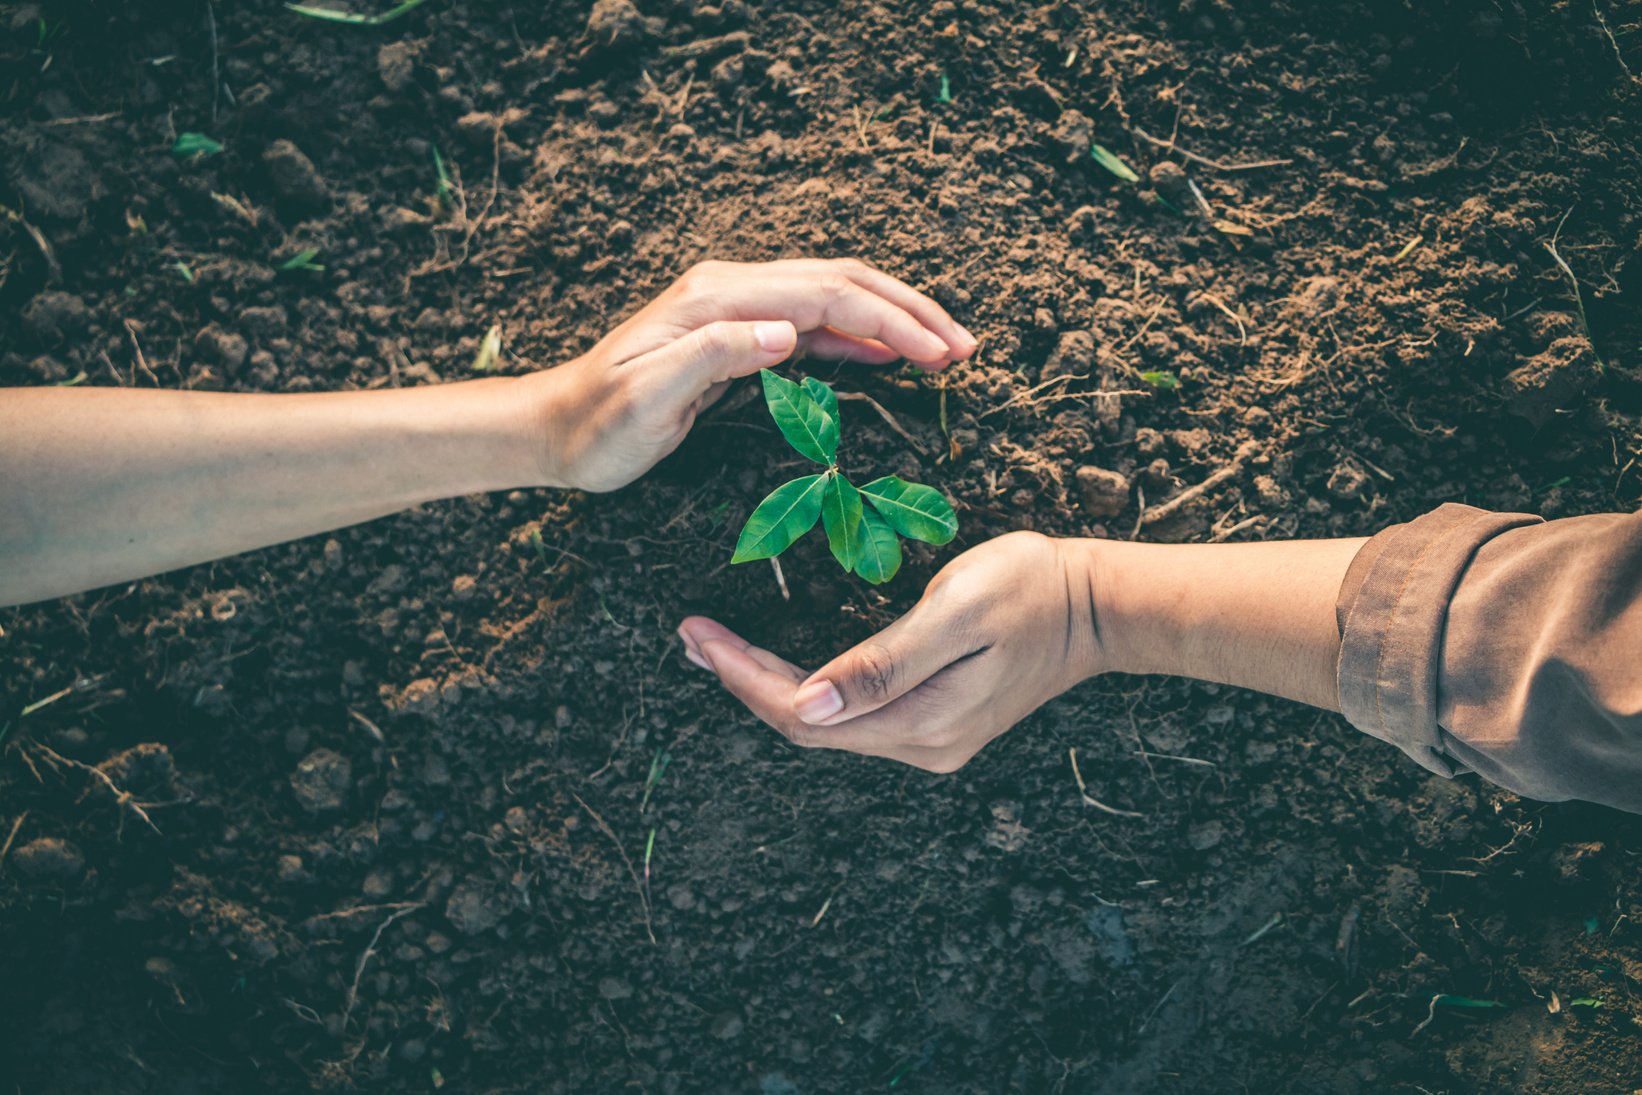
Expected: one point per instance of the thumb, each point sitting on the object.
(687, 367)
(880, 670)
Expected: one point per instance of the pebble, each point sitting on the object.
(322, 780)
(50, 858)
(1105, 493)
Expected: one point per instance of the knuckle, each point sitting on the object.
(833, 285)
(805, 737)
(711, 341)
(875, 672)
(853, 265)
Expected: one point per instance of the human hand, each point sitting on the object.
(1000, 630)
(610, 415)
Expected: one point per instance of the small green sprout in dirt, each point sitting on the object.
(302, 260)
(333, 15)
(946, 90)
(1164, 381)
(1586, 1002)
(490, 350)
(863, 524)
(1111, 162)
(190, 146)
(658, 768)
(185, 270)
(444, 191)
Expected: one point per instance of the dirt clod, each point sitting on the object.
(1104, 493)
(49, 859)
(322, 781)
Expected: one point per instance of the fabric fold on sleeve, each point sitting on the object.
(1502, 644)
(1392, 642)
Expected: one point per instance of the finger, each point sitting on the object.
(883, 669)
(837, 346)
(687, 368)
(766, 683)
(910, 300)
(696, 630)
(813, 295)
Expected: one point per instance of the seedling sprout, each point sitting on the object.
(863, 524)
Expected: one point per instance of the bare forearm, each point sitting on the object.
(1259, 616)
(104, 485)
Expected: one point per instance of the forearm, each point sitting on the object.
(1258, 616)
(103, 485)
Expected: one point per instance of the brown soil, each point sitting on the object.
(396, 777)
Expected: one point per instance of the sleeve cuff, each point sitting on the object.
(1393, 608)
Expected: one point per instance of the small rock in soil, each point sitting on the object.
(615, 988)
(1104, 492)
(1073, 354)
(473, 908)
(1348, 482)
(294, 177)
(49, 859)
(145, 769)
(1169, 179)
(322, 781)
(614, 23)
(54, 316)
(396, 64)
(222, 348)
(727, 1025)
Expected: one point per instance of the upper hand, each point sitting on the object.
(1001, 629)
(608, 416)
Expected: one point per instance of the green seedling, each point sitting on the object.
(863, 524)
(658, 768)
(1586, 1002)
(1448, 1000)
(302, 260)
(332, 15)
(1112, 163)
(444, 192)
(185, 270)
(490, 350)
(194, 146)
(946, 90)
(1168, 382)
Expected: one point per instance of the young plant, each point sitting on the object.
(863, 524)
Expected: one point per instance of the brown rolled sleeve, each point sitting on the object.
(1505, 645)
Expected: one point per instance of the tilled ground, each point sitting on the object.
(393, 783)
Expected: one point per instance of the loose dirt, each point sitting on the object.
(369, 811)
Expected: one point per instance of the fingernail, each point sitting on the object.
(773, 337)
(941, 349)
(696, 658)
(817, 701)
(967, 337)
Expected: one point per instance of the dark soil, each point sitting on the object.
(386, 791)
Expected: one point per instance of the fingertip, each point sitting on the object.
(776, 336)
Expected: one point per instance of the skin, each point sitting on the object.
(1020, 619)
(104, 485)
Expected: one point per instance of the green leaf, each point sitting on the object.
(789, 512)
(1111, 163)
(880, 549)
(1167, 381)
(841, 517)
(332, 15)
(194, 144)
(1445, 1000)
(822, 393)
(803, 422)
(912, 509)
(302, 260)
(1585, 1002)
